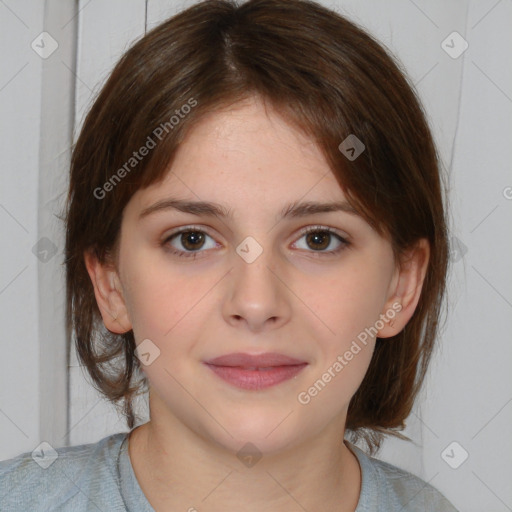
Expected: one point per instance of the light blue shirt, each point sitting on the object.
(99, 477)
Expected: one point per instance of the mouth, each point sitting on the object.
(255, 372)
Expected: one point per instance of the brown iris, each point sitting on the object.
(317, 238)
(195, 238)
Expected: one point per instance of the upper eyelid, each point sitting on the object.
(320, 227)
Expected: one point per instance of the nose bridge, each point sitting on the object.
(253, 262)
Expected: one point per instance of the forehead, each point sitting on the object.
(247, 154)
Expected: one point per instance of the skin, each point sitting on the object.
(292, 299)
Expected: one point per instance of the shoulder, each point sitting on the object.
(67, 478)
(387, 487)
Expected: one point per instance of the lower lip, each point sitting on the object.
(256, 379)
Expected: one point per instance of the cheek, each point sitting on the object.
(343, 351)
(347, 303)
(161, 299)
(342, 317)
(167, 309)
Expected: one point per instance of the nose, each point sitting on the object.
(257, 296)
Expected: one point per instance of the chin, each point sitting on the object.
(269, 434)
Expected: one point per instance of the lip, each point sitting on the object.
(254, 361)
(254, 372)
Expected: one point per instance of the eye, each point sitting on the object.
(188, 241)
(320, 238)
(191, 239)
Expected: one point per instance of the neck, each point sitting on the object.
(178, 470)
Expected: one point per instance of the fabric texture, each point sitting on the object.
(99, 477)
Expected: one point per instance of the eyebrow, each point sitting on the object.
(210, 209)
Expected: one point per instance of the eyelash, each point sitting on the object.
(311, 229)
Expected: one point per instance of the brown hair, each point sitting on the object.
(330, 79)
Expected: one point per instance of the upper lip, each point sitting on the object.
(254, 361)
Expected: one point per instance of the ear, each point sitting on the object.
(107, 289)
(405, 289)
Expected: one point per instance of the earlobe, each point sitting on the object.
(406, 289)
(107, 291)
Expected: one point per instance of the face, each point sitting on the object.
(252, 282)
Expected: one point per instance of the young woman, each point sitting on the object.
(256, 235)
